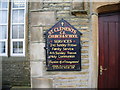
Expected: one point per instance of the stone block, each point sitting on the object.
(37, 51)
(43, 18)
(53, 0)
(36, 5)
(36, 69)
(77, 5)
(84, 56)
(37, 34)
(41, 83)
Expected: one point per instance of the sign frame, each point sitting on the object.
(78, 47)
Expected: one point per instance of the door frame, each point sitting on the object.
(105, 15)
(94, 44)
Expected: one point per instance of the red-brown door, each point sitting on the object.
(109, 50)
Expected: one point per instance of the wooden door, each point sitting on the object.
(109, 50)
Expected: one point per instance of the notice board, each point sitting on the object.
(63, 48)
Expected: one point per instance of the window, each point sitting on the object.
(12, 27)
(3, 27)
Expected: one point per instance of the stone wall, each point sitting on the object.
(42, 16)
(15, 71)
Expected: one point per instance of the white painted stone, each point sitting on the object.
(37, 51)
(36, 69)
(41, 83)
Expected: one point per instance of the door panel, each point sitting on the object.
(109, 50)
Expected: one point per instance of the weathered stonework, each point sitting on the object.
(18, 71)
(45, 17)
(42, 18)
(78, 5)
(36, 5)
(15, 71)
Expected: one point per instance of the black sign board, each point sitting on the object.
(63, 49)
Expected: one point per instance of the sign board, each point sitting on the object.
(63, 49)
